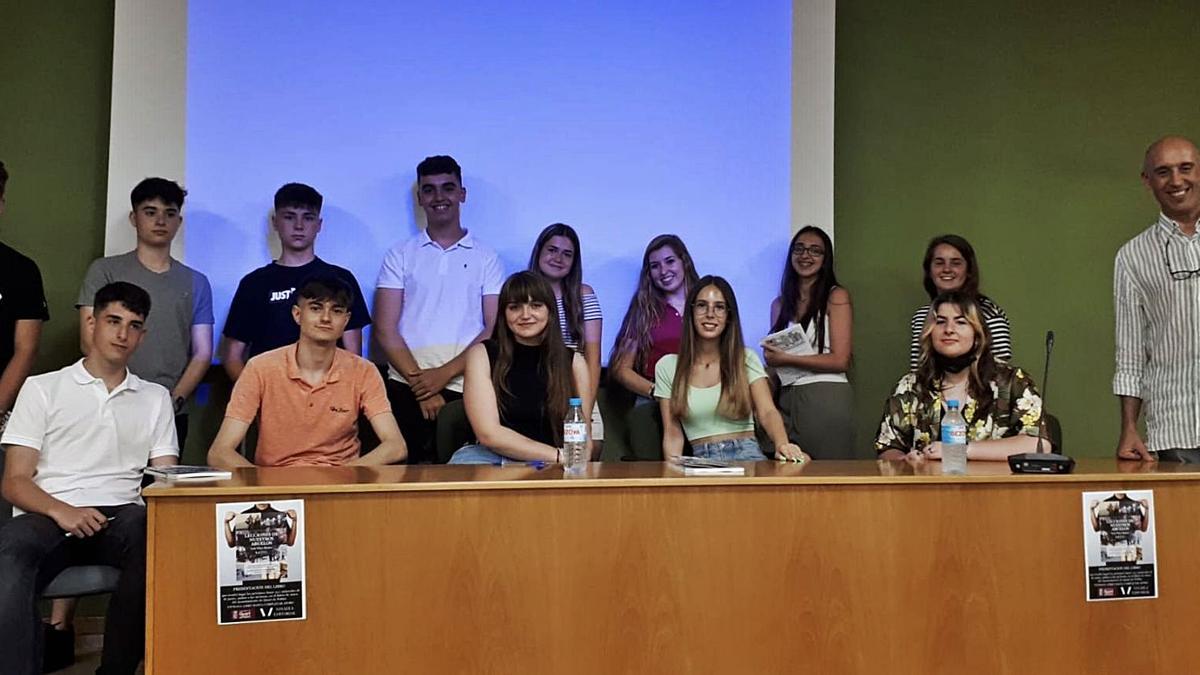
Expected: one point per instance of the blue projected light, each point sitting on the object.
(625, 120)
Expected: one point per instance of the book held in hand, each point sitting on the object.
(175, 474)
(791, 340)
(699, 466)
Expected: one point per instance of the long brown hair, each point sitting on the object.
(735, 386)
(554, 360)
(645, 308)
(982, 369)
(572, 302)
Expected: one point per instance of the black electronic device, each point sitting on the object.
(1040, 462)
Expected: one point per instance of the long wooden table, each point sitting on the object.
(838, 567)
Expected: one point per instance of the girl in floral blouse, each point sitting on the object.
(1000, 404)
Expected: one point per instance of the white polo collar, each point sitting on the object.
(467, 241)
(83, 377)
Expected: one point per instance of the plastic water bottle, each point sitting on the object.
(954, 441)
(575, 435)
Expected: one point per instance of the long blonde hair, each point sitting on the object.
(735, 385)
(646, 306)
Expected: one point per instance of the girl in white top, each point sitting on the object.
(712, 387)
(816, 399)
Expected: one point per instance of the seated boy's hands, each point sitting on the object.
(81, 522)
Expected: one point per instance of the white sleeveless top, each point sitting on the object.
(790, 376)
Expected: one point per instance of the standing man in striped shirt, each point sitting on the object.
(1156, 293)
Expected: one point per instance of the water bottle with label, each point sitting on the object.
(954, 441)
(575, 435)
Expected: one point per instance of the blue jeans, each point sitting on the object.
(733, 450)
(477, 454)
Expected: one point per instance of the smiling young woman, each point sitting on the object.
(517, 384)
(815, 396)
(950, 265)
(653, 323)
(714, 389)
(557, 258)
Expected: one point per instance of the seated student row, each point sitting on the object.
(517, 385)
(712, 392)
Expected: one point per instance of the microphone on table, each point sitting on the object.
(1045, 387)
(1040, 461)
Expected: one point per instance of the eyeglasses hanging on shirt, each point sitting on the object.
(1178, 275)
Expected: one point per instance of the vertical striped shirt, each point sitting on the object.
(591, 312)
(1158, 332)
(994, 319)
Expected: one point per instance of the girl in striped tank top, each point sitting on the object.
(950, 265)
(556, 257)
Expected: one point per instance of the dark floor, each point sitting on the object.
(87, 656)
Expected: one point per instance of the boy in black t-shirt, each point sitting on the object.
(260, 316)
(22, 311)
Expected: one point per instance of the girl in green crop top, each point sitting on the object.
(714, 389)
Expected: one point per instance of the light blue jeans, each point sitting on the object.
(477, 454)
(733, 450)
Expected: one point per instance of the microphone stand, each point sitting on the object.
(1045, 388)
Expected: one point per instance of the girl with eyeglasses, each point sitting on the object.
(1000, 404)
(714, 389)
(653, 324)
(950, 265)
(517, 384)
(557, 258)
(815, 395)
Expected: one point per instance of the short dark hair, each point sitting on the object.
(170, 192)
(439, 164)
(134, 298)
(322, 287)
(3, 179)
(298, 195)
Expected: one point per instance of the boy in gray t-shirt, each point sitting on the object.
(178, 346)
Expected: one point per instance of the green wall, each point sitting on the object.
(1020, 126)
(55, 89)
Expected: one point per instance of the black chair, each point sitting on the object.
(645, 432)
(1054, 430)
(72, 582)
(452, 430)
(615, 446)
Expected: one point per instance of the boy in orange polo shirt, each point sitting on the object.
(308, 395)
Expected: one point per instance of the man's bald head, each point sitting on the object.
(1171, 171)
(1166, 145)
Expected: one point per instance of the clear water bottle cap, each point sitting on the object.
(575, 401)
(952, 403)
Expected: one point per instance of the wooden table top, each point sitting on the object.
(345, 479)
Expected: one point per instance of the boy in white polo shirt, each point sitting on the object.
(76, 445)
(435, 297)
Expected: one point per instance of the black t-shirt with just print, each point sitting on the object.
(261, 312)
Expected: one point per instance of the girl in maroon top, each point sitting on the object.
(653, 323)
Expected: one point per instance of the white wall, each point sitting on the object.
(147, 132)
